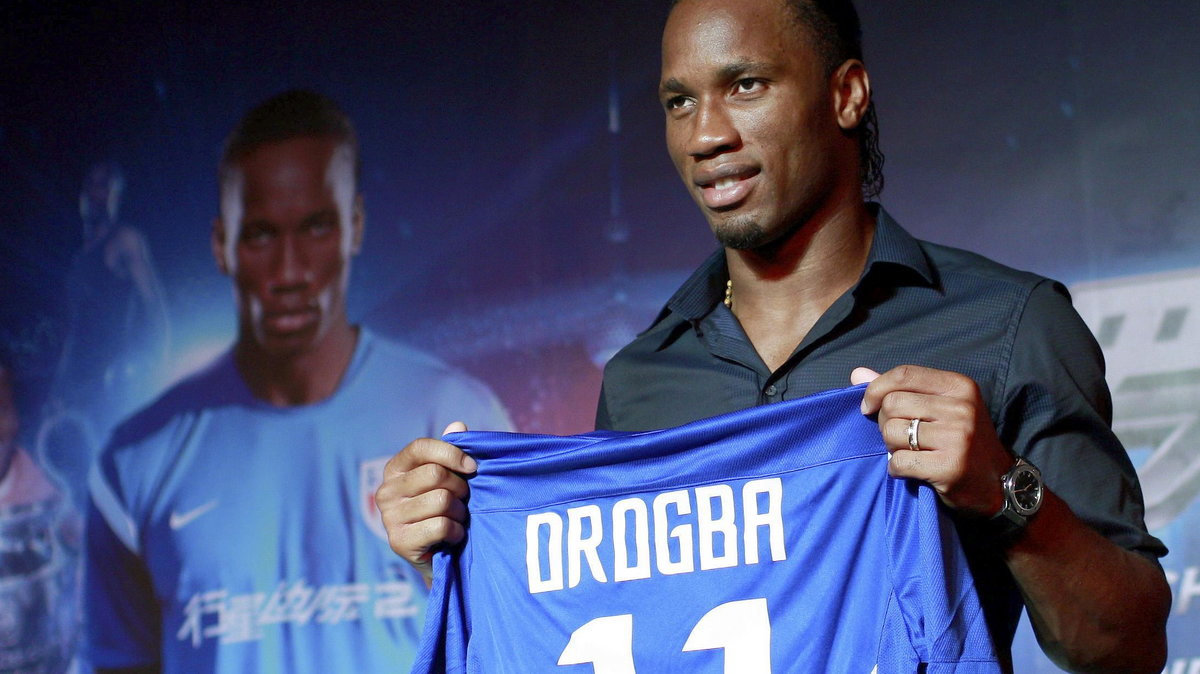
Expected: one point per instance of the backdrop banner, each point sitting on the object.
(523, 220)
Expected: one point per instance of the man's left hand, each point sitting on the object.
(958, 453)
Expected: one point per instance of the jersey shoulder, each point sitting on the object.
(421, 382)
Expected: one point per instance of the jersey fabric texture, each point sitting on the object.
(230, 535)
(767, 540)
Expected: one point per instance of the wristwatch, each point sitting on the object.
(1022, 486)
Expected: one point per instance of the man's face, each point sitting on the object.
(750, 117)
(290, 223)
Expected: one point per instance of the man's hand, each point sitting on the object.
(422, 498)
(959, 453)
(1094, 606)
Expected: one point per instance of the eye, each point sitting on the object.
(748, 85)
(255, 235)
(678, 103)
(319, 228)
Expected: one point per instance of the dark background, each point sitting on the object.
(523, 217)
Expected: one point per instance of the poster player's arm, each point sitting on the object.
(422, 499)
(123, 617)
(133, 258)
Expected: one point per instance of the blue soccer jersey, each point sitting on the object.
(767, 540)
(229, 535)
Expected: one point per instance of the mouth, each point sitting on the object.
(726, 188)
(289, 321)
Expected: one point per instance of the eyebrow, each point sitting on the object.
(321, 216)
(730, 71)
(738, 68)
(672, 86)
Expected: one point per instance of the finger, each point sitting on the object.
(938, 414)
(915, 379)
(396, 492)
(863, 375)
(895, 435)
(421, 537)
(906, 405)
(415, 542)
(429, 477)
(922, 465)
(430, 505)
(455, 427)
(429, 450)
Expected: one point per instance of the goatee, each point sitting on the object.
(742, 234)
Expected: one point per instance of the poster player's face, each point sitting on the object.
(290, 224)
(100, 196)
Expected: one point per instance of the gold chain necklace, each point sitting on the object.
(729, 294)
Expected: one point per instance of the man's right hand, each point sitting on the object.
(422, 498)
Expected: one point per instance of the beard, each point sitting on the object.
(742, 233)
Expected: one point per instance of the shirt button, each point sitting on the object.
(771, 390)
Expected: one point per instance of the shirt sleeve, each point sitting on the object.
(603, 423)
(1057, 413)
(463, 398)
(123, 620)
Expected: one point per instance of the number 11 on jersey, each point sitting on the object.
(741, 628)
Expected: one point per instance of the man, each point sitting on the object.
(233, 526)
(766, 107)
(117, 332)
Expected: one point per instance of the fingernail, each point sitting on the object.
(469, 464)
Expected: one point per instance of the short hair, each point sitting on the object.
(838, 33)
(296, 113)
(114, 173)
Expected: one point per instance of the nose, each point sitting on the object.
(713, 130)
(290, 265)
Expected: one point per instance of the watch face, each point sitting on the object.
(1026, 490)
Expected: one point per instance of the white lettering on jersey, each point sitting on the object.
(641, 533)
(710, 526)
(533, 554)
(682, 534)
(579, 548)
(679, 536)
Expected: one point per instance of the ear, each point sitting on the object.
(358, 221)
(217, 241)
(851, 93)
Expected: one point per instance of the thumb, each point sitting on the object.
(863, 375)
(455, 427)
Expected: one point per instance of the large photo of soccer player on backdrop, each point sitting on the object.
(522, 221)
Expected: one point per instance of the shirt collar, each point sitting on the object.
(891, 246)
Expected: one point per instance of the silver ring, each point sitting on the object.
(913, 444)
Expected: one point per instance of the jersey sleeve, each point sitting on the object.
(463, 398)
(1058, 413)
(123, 620)
(934, 615)
(443, 647)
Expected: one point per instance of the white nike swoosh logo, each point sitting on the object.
(180, 520)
